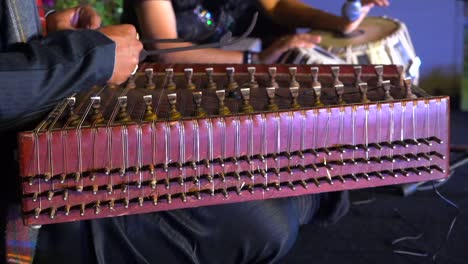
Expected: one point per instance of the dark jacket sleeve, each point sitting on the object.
(34, 76)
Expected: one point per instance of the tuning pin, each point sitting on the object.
(140, 201)
(173, 114)
(149, 116)
(379, 71)
(65, 194)
(96, 116)
(50, 195)
(97, 207)
(111, 204)
(109, 189)
(225, 193)
(291, 186)
(272, 76)
(426, 169)
(336, 75)
(437, 154)
(169, 198)
(95, 189)
(37, 212)
(155, 199)
(363, 90)
(211, 85)
(223, 110)
(252, 83)
(316, 86)
(357, 74)
(82, 209)
(131, 82)
(47, 176)
(73, 118)
(246, 107)
(232, 84)
(197, 99)
(436, 140)
(77, 176)
(67, 209)
(170, 84)
(271, 93)
(292, 74)
(149, 74)
(294, 91)
(387, 88)
(126, 203)
(222, 177)
(167, 183)
(339, 89)
(409, 90)
(123, 115)
(188, 77)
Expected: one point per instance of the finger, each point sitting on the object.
(89, 18)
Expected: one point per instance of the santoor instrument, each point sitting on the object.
(179, 136)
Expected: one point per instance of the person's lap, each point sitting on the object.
(260, 231)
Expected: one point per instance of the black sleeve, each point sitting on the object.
(36, 75)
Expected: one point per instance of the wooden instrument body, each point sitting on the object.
(73, 172)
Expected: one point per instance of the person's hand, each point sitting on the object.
(383, 3)
(367, 5)
(81, 17)
(127, 52)
(274, 51)
(351, 26)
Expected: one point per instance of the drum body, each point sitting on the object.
(378, 40)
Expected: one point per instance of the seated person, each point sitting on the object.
(201, 21)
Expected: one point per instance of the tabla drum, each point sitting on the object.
(378, 40)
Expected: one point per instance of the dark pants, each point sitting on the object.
(250, 232)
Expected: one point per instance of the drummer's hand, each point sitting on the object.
(81, 17)
(274, 52)
(383, 3)
(127, 51)
(366, 8)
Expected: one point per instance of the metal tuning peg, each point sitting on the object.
(294, 91)
(401, 73)
(170, 84)
(149, 74)
(232, 84)
(197, 99)
(316, 86)
(363, 90)
(387, 87)
(271, 93)
(223, 110)
(409, 90)
(357, 74)
(149, 114)
(173, 114)
(338, 85)
(211, 85)
(188, 77)
(123, 115)
(379, 71)
(246, 107)
(292, 74)
(272, 76)
(73, 118)
(339, 90)
(131, 82)
(96, 117)
(252, 82)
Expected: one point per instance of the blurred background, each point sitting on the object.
(436, 28)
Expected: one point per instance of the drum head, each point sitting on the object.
(372, 29)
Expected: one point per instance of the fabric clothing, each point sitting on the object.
(232, 15)
(35, 73)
